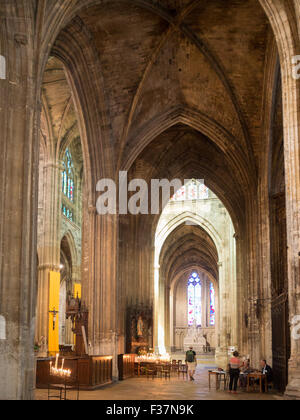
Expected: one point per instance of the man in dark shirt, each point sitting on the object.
(191, 362)
(267, 370)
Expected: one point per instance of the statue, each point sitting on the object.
(42, 346)
(139, 332)
(140, 327)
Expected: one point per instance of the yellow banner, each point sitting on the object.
(77, 290)
(54, 288)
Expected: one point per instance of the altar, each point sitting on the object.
(195, 339)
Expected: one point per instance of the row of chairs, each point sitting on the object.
(163, 370)
(179, 367)
(156, 370)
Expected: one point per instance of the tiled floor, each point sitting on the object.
(161, 389)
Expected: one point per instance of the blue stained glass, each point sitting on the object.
(67, 212)
(197, 303)
(64, 182)
(68, 177)
(194, 300)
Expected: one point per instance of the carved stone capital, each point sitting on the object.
(21, 39)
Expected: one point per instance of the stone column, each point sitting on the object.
(18, 204)
(48, 249)
(172, 320)
(235, 305)
(168, 325)
(156, 308)
(102, 298)
(285, 22)
(161, 315)
(291, 95)
(222, 347)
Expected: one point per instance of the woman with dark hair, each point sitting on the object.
(234, 371)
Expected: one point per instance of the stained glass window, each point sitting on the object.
(203, 192)
(67, 212)
(194, 300)
(212, 314)
(194, 190)
(68, 176)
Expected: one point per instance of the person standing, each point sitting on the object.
(191, 361)
(234, 371)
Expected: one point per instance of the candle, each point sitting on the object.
(62, 363)
(56, 362)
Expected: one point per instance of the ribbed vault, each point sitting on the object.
(187, 246)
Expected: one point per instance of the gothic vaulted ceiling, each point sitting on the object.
(205, 55)
(186, 247)
(149, 59)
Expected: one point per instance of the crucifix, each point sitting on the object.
(54, 313)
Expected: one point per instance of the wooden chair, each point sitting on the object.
(174, 366)
(166, 371)
(183, 369)
(179, 363)
(143, 369)
(159, 369)
(151, 370)
(225, 378)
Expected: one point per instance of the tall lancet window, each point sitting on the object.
(194, 300)
(68, 176)
(212, 314)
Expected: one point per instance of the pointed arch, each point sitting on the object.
(164, 231)
(70, 241)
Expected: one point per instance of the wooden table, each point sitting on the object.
(257, 376)
(217, 374)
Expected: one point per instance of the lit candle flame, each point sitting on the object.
(66, 373)
(153, 358)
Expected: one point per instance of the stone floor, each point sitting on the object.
(161, 389)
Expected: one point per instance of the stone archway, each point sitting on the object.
(69, 265)
(226, 274)
(177, 335)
